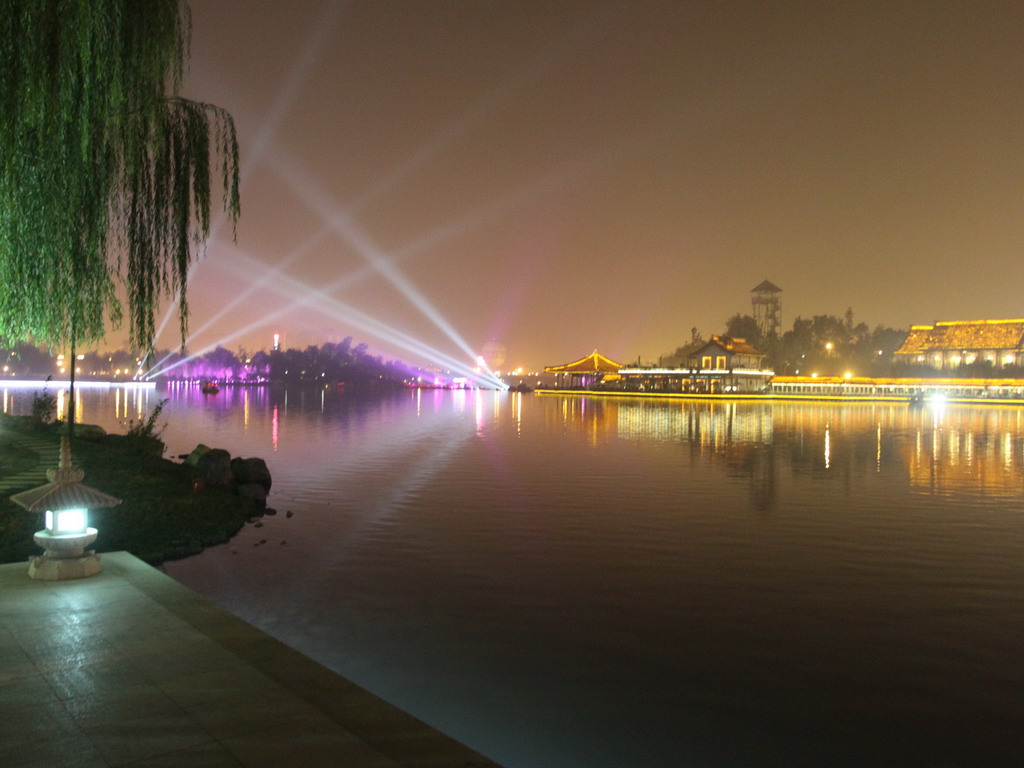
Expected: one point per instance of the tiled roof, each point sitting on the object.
(964, 335)
(67, 495)
(736, 346)
(766, 287)
(595, 362)
(916, 341)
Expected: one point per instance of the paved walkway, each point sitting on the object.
(46, 449)
(129, 667)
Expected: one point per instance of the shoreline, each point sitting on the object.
(170, 677)
(781, 397)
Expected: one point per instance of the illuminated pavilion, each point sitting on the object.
(581, 373)
(950, 344)
(722, 365)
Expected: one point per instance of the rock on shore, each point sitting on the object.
(214, 467)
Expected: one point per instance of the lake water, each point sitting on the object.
(571, 581)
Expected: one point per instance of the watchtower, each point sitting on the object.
(767, 308)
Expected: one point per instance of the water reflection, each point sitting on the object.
(946, 449)
(576, 581)
(953, 449)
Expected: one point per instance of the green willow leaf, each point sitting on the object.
(106, 172)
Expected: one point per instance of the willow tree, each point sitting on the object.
(109, 175)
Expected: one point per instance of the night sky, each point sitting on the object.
(559, 176)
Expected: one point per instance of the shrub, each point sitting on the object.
(44, 406)
(145, 435)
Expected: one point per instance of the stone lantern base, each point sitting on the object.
(48, 568)
(65, 557)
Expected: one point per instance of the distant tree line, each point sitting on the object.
(828, 345)
(831, 345)
(21, 361)
(331, 363)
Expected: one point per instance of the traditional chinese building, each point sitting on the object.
(584, 372)
(724, 353)
(721, 366)
(951, 344)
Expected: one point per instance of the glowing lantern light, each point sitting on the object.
(66, 502)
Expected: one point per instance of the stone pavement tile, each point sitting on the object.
(16, 666)
(124, 741)
(131, 667)
(41, 732)
(26, 606)
(107, 604)
(306, 745)
(193, 657)
(152, 633)
(198, 689)
(239, 714)
(210, 755)
(106, 707)
(25, 718)
(65, 751)
(97, 678)
(16, 693)
(65, 647)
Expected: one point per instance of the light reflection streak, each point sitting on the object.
(274, 429)
(828, 446)
(878, 448)
(479, 413)
(459, 400)
(395, 447)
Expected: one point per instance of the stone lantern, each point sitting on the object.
(66, 502)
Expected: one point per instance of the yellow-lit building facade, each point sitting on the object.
(948, 345)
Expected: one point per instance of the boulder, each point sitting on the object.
(193, 458)
(254, 492)
(213, 468)
(251, 471)
(94, 433)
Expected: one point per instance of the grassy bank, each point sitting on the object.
(158, 519)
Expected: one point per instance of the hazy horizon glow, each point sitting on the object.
(551, 178)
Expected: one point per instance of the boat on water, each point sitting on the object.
(210, 388)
